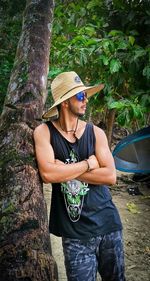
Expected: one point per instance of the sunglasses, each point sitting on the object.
(81, 96)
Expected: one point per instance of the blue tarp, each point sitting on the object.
(132, 153)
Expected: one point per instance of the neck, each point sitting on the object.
(65, 128)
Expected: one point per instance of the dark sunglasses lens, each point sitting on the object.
(81, 96)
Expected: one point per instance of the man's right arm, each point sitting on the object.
(51, 170)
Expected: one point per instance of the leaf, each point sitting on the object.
(117, 105)
(131, 40)
(121, 119)
(145, 100)
(91, 42)
(105, 43)
(83, 57)
(139, 53)
(104, 59)
(132, 208)
(78, 39)
(124, 117)
(93, 4)
(115, 32)
(146, 71)
(137, 111)
(53, 72)
(115, 65)
(122, 45)
(90, 31)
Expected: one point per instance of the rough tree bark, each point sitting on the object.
(25, 251)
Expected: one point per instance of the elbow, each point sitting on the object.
(49, 178)
(113, 181)
(113, 178)
(45, 177)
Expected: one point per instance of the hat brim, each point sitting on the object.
(91, 90)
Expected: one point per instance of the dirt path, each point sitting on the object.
(135, 215)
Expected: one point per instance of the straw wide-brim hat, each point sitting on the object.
(65, 86)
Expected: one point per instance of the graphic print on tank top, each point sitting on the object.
(74, 192)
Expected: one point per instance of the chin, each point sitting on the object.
(81, 114)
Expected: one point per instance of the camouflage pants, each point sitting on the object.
(102, 253)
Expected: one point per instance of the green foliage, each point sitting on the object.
(129, 110)
(87, 39)
(103, 41)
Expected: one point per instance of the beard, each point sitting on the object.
(74, 110)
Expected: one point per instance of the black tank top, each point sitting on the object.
(80, 210)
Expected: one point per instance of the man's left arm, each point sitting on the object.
(106, 173)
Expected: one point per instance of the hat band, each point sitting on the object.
(71, 90)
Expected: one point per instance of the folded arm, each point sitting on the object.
(106, 173)
(51, 170)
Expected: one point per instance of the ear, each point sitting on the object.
(65, 103)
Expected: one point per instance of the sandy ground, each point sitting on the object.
(135, 214)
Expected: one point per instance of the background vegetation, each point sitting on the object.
(104, 41)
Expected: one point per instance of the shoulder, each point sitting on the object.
(99, 133)
(40, 131)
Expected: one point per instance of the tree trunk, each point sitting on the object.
(25, 251)
(110, 124)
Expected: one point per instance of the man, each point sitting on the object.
(74, 156)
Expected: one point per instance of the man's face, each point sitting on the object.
(77, 104)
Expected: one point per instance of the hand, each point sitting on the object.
(93, 163)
